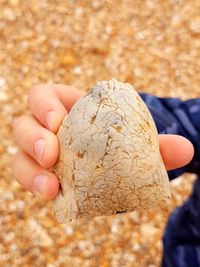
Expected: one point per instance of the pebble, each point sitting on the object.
(2, 83)
(148, 230)
(39, 234)
(14, 3)
(77, 70)
(195, 25)
(69, 230)
(9, 14)
(12, 150)
(8, 237)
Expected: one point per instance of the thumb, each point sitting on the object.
(176, 151)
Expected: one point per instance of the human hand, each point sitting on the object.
(39, 149)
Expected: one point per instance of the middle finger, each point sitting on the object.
(35, 140)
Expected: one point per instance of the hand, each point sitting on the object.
(36, 136)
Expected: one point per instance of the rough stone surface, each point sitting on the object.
(109, 155)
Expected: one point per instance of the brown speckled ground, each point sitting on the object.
(153, 44)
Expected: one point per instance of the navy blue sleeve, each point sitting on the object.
(174, 116)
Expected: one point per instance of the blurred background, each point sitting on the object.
(152, 44)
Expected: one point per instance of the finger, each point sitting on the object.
(35, 140)
(50, 103)
(34, 178)
(176, 151)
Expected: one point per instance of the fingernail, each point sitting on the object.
(52, 120)
(39, 148)
(40, 182)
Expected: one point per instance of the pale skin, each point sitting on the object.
(35, 135)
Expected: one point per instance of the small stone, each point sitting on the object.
(77, 70)
(136, 247)
(69, 230)
(13, 247)
(2, 83)
(7, 196)
(177, 182)
(114, 228)
(20, 204)
(55, 43)
(9, 14)
(79, 11)
(12, 150)
(24, 44)
(40, 236)
(137, 72)
(25, 69)
(129, 257)
(140, 35)
(108, 29)
(3, 96)
(14, 3)
(135, 216)
(39, 28)
(195, 25)
(67, 60)
(9, 236)
(148, 230)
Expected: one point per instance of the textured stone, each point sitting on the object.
(109, 155)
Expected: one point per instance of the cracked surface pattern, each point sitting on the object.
(109, 155)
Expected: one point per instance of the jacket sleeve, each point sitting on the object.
(174, 116)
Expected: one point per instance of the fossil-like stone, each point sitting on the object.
(109, 155)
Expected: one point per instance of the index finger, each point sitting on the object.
(49, 103)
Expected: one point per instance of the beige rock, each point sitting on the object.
(109, 155)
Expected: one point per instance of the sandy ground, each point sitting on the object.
(154, 45)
